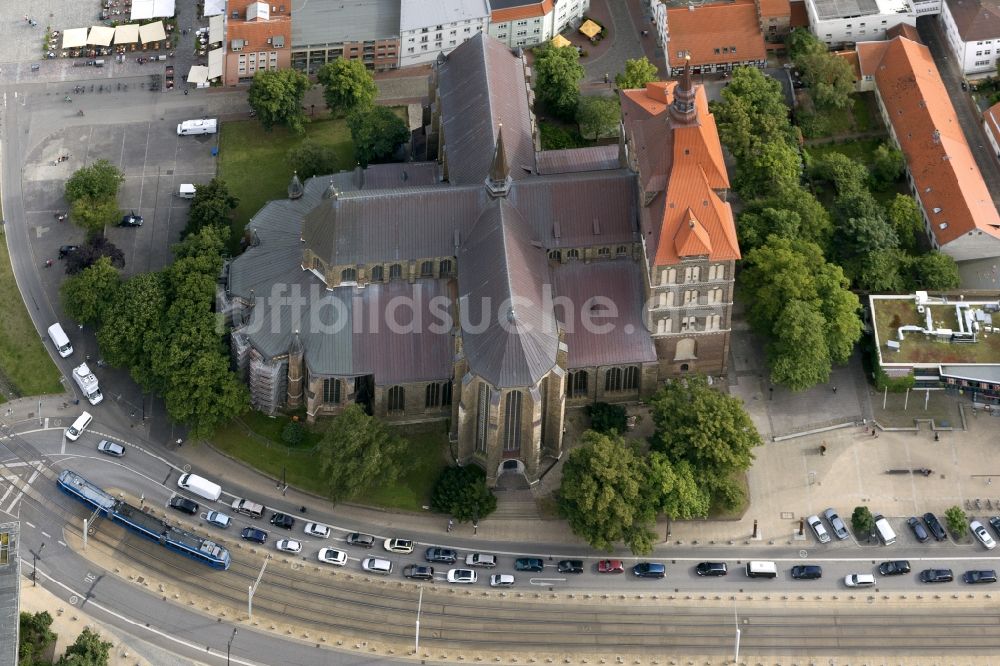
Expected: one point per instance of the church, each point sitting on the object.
(494, 284)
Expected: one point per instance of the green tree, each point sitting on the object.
(376, 133)
(888, 164)
(847, 175)
(358, 452)
(212, 206)
(879, 270)
(88, 650)
(638, 72)
(86, 295)
(862, 520)
(905, 218)
(800, 357)
(311, 158)
(461, 492)
(293, 433)
(773, 167)
(276, 96)
(93, 195)
(607, 418)
(604, 494)
(35, 638)
(752, 113)
(801, 42)
(347, 86)
(598, 116)
(933, 271)
(957, 521)
(829, 77)
(558, 73)
(131, 326)
(674, 489)
(791, 213)
(705, 428)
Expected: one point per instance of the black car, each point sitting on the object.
(807, 572)
(649, 570)
(282, 520)
(418, 572)
(934, 525)
(440, 555)
(531, 564)
(918, 529)
(361, 540)
(131, 220)
(67, 249)
(570, 566)
(896, 568)
(254, 534)
(936, 576)
(995, 524)
(975, 577)
(711, 569)
(184, 505)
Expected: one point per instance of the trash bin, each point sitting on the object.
(215, 151)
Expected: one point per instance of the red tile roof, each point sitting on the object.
(904, 30)
(775, 8)
(525, 11)
(703, 30)
(852, 59)
(800, 17)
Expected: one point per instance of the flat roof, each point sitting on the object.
(832, 9)
(424, 13)
(318, 22)
(10, 590)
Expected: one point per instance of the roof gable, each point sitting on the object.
(691, 239)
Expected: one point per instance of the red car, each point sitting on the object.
(610, 566)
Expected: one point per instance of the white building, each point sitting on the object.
(840, 22)
(428, 28)
(972, 28)
(991, 122)
(531, 22)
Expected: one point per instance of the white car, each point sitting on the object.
(317, 530)
(332, 556)
(817, 527)
(480, 560)
(220, 520)
(502, 580)
(981, 534)
(401, 546)
(463, 576)
(859, 580)
(288, 545)
(377, 565)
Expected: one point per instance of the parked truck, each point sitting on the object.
(87, 382)
(248, 508)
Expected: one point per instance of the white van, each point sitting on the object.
(58, 337)
(758, 569)
(884, 531)
(203, 126)
(186, 191)
(200, 486)
(74, 431)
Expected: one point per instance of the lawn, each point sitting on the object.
(25, 365)
(861, 150)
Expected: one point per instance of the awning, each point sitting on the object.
(590, 29)
(147, 9)
(152, 32)
(216, 63)
(74, 38)
(101, 35)
(127, 34)
(215, 7)
(198, 74)
(216, 29)
(559, 41)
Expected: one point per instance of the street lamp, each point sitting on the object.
(34, 564)
(229, 646)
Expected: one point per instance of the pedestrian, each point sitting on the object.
(937, 438)
(834, 389)
(48, 263)
(451, 523)
(822, 450)
(874, 432)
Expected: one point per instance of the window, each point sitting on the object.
(664, 326)
(613, 380)
(715, 295)
(555, 255)
(631, 379)
(331, 391)
(716, 51)
(578, 384)
(692, 273)
(982, 63)
(713, 322)
(395, 272)
(604, 251)
(717, 272)
(512, 421)
(573, 254)
(378, 274)
(691, 297)
(445, 394)
(668, 275)
(397, 399)
(432, 395)
(622, 250)
(482, 416)
(427, 269)
(445, 267)
(348, 275)
(688, 323)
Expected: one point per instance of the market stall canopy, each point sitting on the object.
(147, 9)
(559, 41)
(590, 29)
(215, 7)
(101, 35)
(198, 74)
(216, 29)
(152, 32)
(74, 38)
(216, 61)
(127, 34)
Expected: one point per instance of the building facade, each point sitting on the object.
(709, 38)
(429, 28)
(839, 23)
(972, 30)
(258, 38)
(365, 30)
(531, 22)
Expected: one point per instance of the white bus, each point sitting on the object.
(203, 126)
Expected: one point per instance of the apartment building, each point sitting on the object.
(531, 22)
(258, 37)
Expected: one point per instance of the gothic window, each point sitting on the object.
(555, 255)
(604, 252)
(331, 391)
(445, 394)
(573, 254)
(578, 383)
(395, 272)
(622, 250)
(482, 417)
(348, 275)
(686, 350)
(613, 380)
(427, 269)
(378, 274)
(432, 396)
(631, 379)
(396, 399)
(445, 267)
(512, 421)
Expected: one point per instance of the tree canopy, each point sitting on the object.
(276, 96)
(131, 325)
(558, 73)
(461, 493)
(347, 86)
(638, 72)
(92, 192)
(212, 206)
(598, 116)
(376, 134)
(86, 295)
(752, 113)
(359, 451)
(957, 521)
(35, 638)
(312, 158)
(89, 649)
(904, 216)
(607, 418)
(92, 250)
(829, 77)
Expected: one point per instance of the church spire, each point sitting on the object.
(682, 109)
(498, 180)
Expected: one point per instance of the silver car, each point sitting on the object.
(110, 448)
(817, 527)
(839, 528)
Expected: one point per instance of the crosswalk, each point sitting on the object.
(13, 487)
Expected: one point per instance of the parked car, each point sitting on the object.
(332, 556)
(610, 567)
(894, 568)
(131, 220)
(360, 540)
(977, 577)
(480, 560)
(984, 537)
(377, 565)
(282, 520)
(807, 572)
(418, 572)
(817, 527)
(995, 524)
(934, 525)
(570, 566)
(440, 555)
(218, 519)
(317, 530)
(254, 534)
(67, 249)
(462, 576)
(839, 528)
(711, 569)
(401, 546)
(288, 545)
(502, 580)
(183, 504)
(530, 564)
(859, 580)
(918, 529)
(936, 576)
(649, 570)
(109, 448)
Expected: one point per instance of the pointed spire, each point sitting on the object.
(498, 180)
(682, 109)
(295, 189)
(331, 191)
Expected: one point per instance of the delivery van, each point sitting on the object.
(758, 569)
(58, 337)
(74, 431)
(885, 532)
(186, 191)
(200, 486)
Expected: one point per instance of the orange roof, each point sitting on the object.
(799, 17)
(715, 34)
(691, 240)
(948, 181)
(525, 11)
(869, 56)
(256, 33)
(992, 118)
(852, 59)
(904, 30)
(775, 8)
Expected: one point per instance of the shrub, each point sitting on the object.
(607, 419)
(461, 492)
(293, 433)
